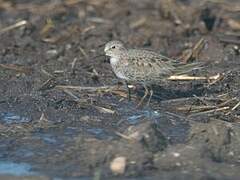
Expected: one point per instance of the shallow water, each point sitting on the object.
(10, 118)
(16, 169)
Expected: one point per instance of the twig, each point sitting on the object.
(227, 102)
(113, 89)
(120, 93)
(210, 111)
(18, 68)
(198, 47)
(194, 52)
(233, 108)
(73, 63)
(236, 106)
(192, 78)
(50, 83)
(214, 81)
(99, 20)
(71, 94)
(123, 136)
(230, 33)
(87, 29)
(196, 108)
(90, 89)
(46, 73)
(230, 41)
(83, 52)
(178, 100)
(104, 110)
(58, 72)
(14, 26)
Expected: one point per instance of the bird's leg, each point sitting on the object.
(150, 96)
(128, 89)
(145, 95)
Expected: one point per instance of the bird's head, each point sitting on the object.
(114, 48)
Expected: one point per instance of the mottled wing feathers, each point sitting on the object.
(153, 63)
(150, 67)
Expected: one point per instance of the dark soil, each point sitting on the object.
(49, 130)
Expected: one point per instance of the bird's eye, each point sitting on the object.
(113, 47)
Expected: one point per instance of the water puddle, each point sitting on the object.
(15, 169)
(174, 127)
(54, 139)
(71, 131)
(10, 118)
(134, 116)
(49, 139)
(150, 114)
(98, 133)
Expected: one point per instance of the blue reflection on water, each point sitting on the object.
(150, 114)
(16, 169)
(9, 118)
(98, 132)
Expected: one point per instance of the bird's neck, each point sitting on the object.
(118, 59)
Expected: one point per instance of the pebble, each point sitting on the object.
(118, 165)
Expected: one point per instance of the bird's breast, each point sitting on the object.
(118, 68)
(114, 61)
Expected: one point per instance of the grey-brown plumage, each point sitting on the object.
(143, 66)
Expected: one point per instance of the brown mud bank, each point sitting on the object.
(63, 116)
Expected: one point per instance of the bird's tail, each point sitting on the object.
(186, 68)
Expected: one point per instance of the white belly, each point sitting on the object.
(117, 70)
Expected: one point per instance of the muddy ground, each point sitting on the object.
(63, 113)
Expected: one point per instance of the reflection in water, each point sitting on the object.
(54, 142)
(134, 116)
(173, 126)
(150, 114)
(98, 133)
(16, 169)
(10, 118)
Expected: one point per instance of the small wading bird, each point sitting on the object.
(143, 66)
